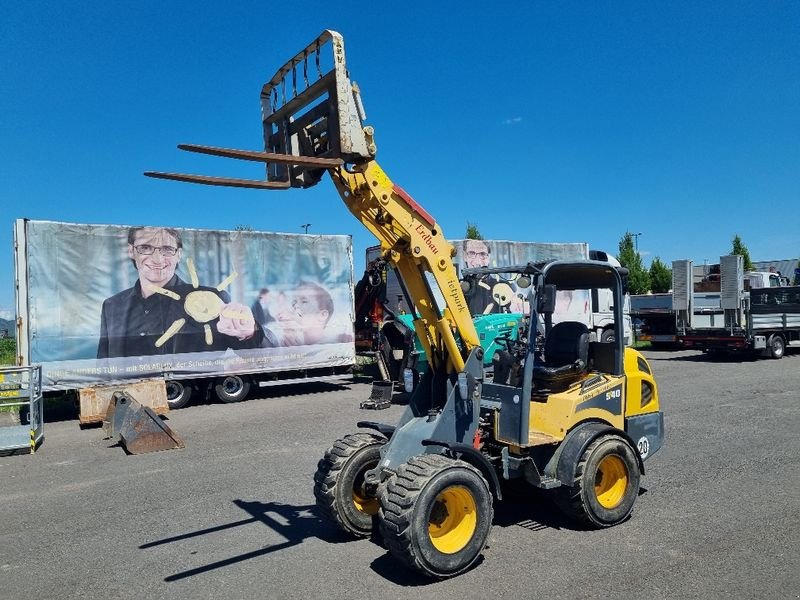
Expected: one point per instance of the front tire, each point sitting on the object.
(339, 482)
(436, 514)
(232, 388)
(605, 486)
(608, 337)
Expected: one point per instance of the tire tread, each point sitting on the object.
(397, 501)
(329, 469)
(571, 498)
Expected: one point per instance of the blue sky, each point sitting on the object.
(539, 121)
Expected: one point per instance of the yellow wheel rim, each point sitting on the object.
(364, 504)
(362, 501)
(453, 519)
(611, 481)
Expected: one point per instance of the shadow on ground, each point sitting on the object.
(530, 508)
(523, 506)
(294, 523)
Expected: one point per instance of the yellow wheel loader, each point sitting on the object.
(562, 411)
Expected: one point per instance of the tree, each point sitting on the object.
(660, 276)
(740, 249)
(472, 232)
(638, 277)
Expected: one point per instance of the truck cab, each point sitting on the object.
(603, 306)
(762, 279)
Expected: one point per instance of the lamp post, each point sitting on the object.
(636, 241)
(305, 226)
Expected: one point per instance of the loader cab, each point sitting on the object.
(558, 343)
(557, 358)
(573, 285)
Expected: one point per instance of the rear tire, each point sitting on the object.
(178, 393)
(436, 514)
(776, 347)
(605, 486)
(339, 482)
(232, 388)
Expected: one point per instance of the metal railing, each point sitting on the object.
(21, 403)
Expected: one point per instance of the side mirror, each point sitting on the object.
(546, 302)
(624, 275)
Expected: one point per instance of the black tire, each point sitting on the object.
(776, 346)
(606, 484)
(608, 336)
(178, 393)
(232, 388)
(436, 514)
(339, 482)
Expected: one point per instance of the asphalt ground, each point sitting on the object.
(232, 515)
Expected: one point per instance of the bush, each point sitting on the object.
(8, 351)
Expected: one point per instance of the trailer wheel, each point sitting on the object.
(232, 388)
(339, 482)
(436, 514)
(605, 486)
(776, 346)
(608, 336)
(178, 393)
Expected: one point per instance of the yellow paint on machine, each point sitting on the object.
(610, 400)
(561, 411)
(639, 380)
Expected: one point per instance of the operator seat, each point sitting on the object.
(566, 355)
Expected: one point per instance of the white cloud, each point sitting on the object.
(6, 314)
(512, 121)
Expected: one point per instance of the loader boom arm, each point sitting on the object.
(313, 122)
(413, 243)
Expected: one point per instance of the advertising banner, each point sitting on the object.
(109, 303)
(495, 294)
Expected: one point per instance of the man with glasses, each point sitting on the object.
(153, 316)
(475, 254)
